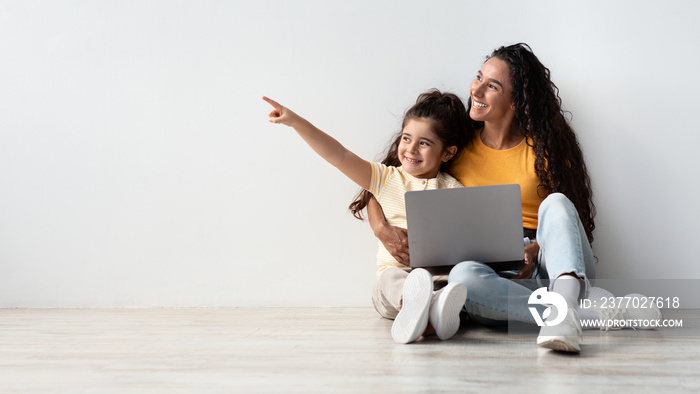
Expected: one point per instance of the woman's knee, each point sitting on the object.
(555, 201)
(469, 272)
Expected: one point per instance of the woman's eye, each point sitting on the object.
(492, 86)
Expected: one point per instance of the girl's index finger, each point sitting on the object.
(272, 102)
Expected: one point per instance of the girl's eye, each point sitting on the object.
(492, 86)
(406, 139)
(424, 143)
(478, 77)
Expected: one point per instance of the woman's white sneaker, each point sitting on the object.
(633, 311)
(563, 337)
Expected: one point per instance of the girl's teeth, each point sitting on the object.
(479, 105)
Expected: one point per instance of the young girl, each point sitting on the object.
(434, 131)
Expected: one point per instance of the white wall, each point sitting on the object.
(137, 167)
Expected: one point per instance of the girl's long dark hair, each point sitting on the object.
(450, 122)
(538, 114)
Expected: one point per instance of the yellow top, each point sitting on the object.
(479, 165)
(389, 186)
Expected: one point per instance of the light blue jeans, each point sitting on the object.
(564, 248)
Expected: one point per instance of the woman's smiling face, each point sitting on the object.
(491, 93)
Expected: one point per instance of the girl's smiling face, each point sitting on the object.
(420, 151)
(491, 93)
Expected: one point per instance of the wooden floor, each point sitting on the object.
(318, 350)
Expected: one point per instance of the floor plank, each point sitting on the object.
(186, 350)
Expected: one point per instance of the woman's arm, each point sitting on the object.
(355, 168)
(394, 239)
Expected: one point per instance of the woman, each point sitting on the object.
(523, 137)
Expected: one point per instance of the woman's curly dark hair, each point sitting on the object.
(538, 114)
(449, 121)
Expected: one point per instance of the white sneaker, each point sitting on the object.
(444, 311)
(412, 319)
(628, 311)
(563, 337)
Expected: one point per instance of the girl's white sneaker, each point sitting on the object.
(444, 311)
(412, 319)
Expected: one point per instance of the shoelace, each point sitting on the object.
(612, 314)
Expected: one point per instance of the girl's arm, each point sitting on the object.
(394, 239)
(355, 168)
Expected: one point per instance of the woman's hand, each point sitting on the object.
(395, 240)
(531, 253)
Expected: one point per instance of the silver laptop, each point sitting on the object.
(483, 223)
